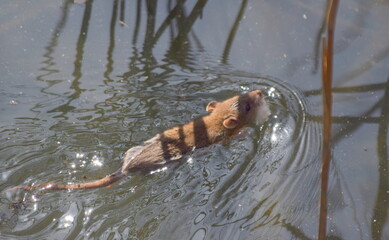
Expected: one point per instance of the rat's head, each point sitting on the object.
(242, 110)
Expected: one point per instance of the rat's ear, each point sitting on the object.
(230, 122)
(211, 106)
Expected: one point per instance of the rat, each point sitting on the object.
(225, 120)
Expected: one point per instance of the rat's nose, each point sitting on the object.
(259, 92)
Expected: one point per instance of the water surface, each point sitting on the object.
(83, 81)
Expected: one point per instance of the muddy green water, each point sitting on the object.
(82, 81)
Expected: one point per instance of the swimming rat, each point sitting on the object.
(225, 120)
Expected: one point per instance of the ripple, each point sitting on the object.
(254, 182)
(290, 126)
(271, 185)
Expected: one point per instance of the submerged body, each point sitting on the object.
(224, 121)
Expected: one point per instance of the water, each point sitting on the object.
(83, 81)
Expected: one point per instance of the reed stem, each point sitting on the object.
(327, 57)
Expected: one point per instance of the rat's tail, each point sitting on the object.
(103, 182)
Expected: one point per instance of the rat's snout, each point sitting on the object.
(257, 93)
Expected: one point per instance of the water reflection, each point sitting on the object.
(380, 218)
(231, 36)
(154, 70)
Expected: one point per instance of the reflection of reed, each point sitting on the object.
(137, 21)
(350, 123)
(111, 45)
(50, 48)
(176, 12)
(178, 24)
(233, 31)
(295, 231)
(178, 51)
(381, 208)
(348, 76)
(77, 73)
(122, 11)
(353, 89)
(151, 6)
(186, 26)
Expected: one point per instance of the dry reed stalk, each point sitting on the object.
(327, 56)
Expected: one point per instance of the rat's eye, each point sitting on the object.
(248, 107)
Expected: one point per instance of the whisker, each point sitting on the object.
(235, 104)
(273, 103)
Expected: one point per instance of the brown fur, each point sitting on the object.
(225, 120)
